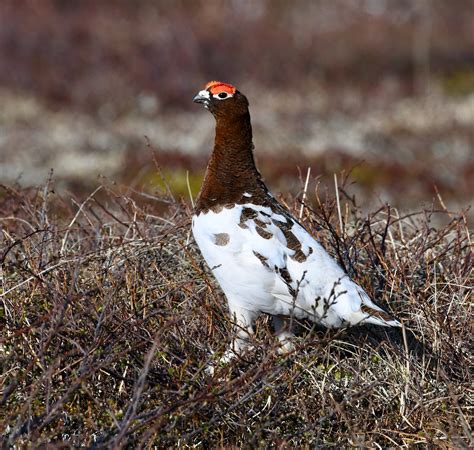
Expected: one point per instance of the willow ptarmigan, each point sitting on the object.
(264, 260)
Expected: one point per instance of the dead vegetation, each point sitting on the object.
(110, 318)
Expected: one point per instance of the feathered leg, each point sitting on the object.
(243, 328)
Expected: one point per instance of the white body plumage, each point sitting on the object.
(249, 267)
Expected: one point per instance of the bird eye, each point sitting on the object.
(222, 94)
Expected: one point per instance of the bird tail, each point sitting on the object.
(369, 312)
(377, 316)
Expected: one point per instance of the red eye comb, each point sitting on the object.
(215, 87)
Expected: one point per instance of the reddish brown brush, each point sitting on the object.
(109, 317)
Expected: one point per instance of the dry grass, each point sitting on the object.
(109, 318)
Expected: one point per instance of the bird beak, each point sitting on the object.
(202, 97)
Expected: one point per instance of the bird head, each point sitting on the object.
(222, 99)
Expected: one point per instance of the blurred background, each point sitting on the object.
(379, 90)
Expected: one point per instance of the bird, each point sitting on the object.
(263, 258)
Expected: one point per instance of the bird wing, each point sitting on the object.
(306, 275)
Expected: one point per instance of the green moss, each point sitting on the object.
(459, 83)
(176, 180)
(367, 175)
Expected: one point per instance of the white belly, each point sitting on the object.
(241, 275)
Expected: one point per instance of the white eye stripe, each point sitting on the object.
(227, 95)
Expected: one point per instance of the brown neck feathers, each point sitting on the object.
(231, 171)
